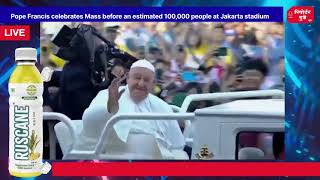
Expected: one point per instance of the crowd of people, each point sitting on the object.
(193, 58)
(204, 57)
(208, 57)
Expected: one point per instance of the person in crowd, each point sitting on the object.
(154, 54)
(218, 60)
(112, 33)
(141, 52)
(275, 44)
(177, 64)
(172, 80)
(156, 57)
(196, 48)
(135, 97)
(275, 80)
(249, 75)
(240, 32)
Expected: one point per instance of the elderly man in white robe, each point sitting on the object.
(135, 97)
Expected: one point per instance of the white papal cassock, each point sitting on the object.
(167, 133)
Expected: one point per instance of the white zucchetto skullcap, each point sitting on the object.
(143, 63)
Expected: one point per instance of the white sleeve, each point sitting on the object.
(175, 135)
(96, 115)
(173, 132)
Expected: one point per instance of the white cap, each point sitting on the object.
(26, 54)
(143, 63)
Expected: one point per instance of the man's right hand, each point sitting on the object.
(114, 95)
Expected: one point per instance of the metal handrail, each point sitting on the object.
(154, 116)
(229, 95)
(223, 95)
(47, 116)
(106, 130)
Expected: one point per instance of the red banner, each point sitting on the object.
(15, 33)
(185, 169)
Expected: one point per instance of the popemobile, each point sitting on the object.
(213, 133)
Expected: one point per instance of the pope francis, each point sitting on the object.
(135, 97)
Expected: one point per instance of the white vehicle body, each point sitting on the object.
(216, 128)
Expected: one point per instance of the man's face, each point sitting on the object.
(111, 35)
(240, 29)
(249, 80)
(252, 80)
(193, 39)
(141, 54)
(140, 82)
(219, 36)
(180, 56)
(156, 55)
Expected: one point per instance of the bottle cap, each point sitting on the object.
(26, 54)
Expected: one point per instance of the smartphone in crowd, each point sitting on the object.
(222, 51)
(189, 76)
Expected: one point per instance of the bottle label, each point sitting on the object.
(25, 127)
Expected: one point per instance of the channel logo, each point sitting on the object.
(301, 14)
